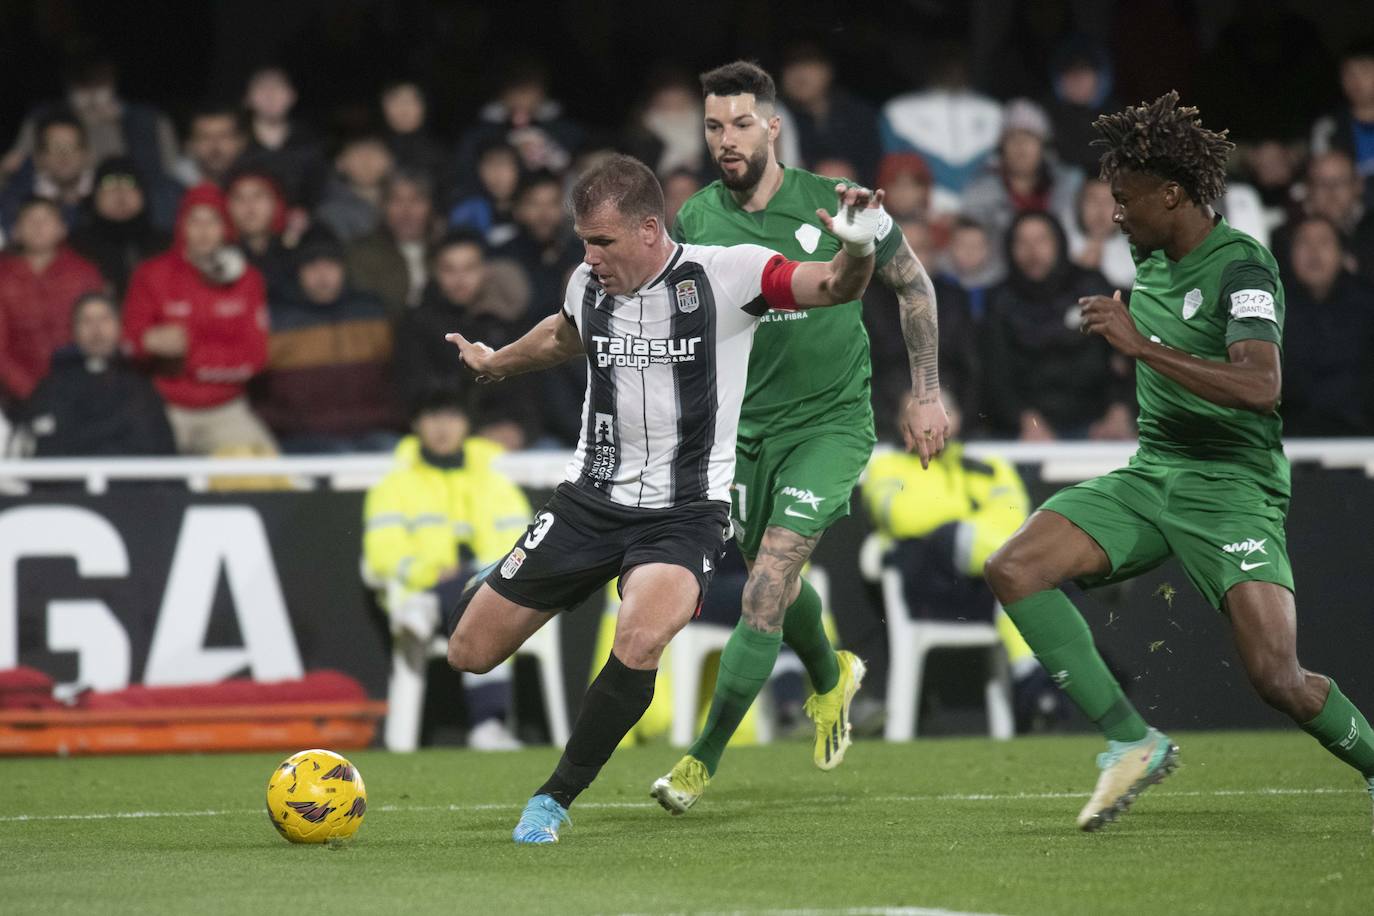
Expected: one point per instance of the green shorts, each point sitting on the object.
(801, 481)
(1224, 528)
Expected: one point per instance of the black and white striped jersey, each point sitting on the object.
(667, 371)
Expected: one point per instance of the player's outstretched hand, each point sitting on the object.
(475, 355)
(858, 217)
(1110, 319)
(925, 425)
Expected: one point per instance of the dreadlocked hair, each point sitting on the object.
(1168, 141)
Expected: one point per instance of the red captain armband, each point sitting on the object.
(777, 283)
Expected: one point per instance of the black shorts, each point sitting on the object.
(578, 542)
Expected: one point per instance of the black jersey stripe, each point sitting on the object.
(672, 262)
(694, 383)
(601, 437)
(644, 410)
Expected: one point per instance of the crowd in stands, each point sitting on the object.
(247, 282)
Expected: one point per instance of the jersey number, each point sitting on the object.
(739, 496)
(542, 523)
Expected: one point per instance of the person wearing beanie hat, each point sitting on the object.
(197, 317)
(116, 230)
(318, 244)
(907, 180)
(327, 387)
(1025, 177)
(1025, 115)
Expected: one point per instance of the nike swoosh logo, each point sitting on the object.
(1246, 567)
(794, 514)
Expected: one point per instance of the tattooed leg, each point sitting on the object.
(749, 656)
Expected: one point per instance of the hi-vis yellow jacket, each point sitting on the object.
(986, 494)
(419, 518)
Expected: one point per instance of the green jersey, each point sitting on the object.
(807, 368)
(1224, 290)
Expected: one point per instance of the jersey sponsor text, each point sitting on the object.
(630, 352)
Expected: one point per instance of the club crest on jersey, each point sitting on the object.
(688, 300)
(1191, 303)
(513, 563)
(808, 237)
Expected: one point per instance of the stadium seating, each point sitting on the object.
(692, 648)
(410, 663)
(910, 640)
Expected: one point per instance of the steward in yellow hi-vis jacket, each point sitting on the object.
(939, 526)
(440, 516)
(435, 516)
(982, 498)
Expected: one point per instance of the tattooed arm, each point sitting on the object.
(924, 423)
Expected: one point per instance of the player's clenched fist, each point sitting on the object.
(1109, 318)
(858, 217)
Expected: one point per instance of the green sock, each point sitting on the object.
(1060, 638)
(1343, 731)
(803, 630)
(745, 665)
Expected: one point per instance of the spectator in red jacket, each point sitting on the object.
(198, 315)
(38, 286)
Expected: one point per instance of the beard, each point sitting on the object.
(752, 174)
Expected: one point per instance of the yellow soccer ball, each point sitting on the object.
(316, 796)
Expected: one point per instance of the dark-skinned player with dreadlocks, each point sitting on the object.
(1209, 483)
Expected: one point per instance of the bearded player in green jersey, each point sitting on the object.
(1209, 483)
(806, 429)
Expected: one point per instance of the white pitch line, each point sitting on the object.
(113, 815)
(594, 806)
(846, 911)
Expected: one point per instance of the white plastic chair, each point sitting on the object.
(693, 646)
(410, 666)
(909, 642)
(690, 649)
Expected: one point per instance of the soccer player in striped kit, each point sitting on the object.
(666, 329)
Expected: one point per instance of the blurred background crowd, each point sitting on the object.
(256, 244)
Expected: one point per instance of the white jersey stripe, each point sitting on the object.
(668, 366)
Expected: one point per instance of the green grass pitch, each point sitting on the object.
(1252, 823)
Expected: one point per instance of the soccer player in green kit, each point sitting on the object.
(1209, 483)
(806, 429)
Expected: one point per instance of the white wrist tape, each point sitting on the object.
(860, 249)
(857, 228)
